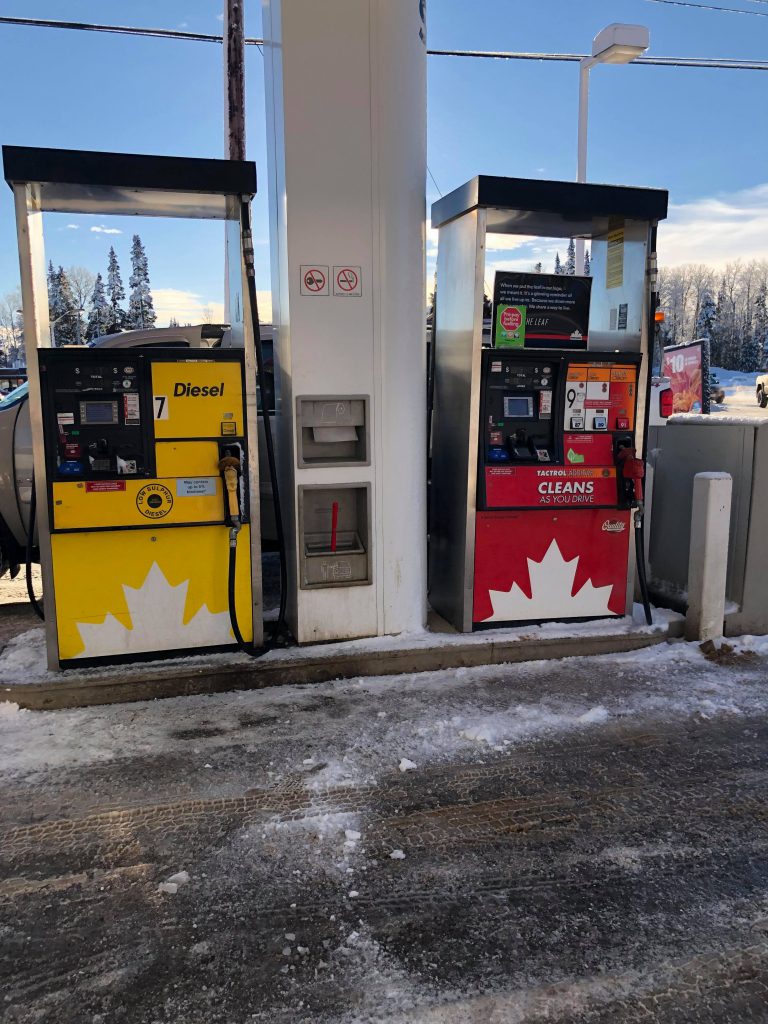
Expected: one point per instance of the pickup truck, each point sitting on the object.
(761, 389)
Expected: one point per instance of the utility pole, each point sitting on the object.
(234, 128)
(234, 80)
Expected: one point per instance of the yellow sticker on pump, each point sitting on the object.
(192, 399)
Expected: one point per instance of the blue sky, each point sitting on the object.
(699, 133)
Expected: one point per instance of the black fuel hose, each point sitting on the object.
(38, 609)
(278, 630)
(640, 558)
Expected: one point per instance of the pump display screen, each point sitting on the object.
(98, 412)
(518, 406)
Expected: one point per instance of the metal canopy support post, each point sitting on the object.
(37, 334)
(458, 342)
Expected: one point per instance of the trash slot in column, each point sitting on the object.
(335, 535)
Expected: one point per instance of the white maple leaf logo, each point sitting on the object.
(157, 622)
(551, 593)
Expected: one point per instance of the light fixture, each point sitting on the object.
(619, 44)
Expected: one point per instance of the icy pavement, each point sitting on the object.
(574, 841)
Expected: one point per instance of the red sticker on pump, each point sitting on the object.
(104, 485)
(511, 319)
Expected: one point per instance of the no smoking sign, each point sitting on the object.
(347, 282)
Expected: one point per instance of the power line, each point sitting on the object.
(127, 30)
(712, 7)
(429, 172)
(668, 62)
(167, 33)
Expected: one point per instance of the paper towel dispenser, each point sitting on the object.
(332, 430)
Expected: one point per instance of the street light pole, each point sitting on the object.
(52, 324)
(616, 44)
(585, 66)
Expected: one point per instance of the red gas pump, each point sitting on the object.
(557, 480)
(535, 482)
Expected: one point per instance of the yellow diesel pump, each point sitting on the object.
(130, 443)
(134, 441)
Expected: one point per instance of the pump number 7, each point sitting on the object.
(161, 406)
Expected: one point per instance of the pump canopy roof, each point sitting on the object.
(79, 181)
(530, 206)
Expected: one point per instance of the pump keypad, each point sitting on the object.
(518, 411)
(96, 418)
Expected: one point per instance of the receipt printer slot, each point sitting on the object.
(332, 430)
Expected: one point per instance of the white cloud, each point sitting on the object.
(194, 308)
(102, 230)
(506, 243)
(73, 227)
(716, 229)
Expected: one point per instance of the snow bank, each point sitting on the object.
(23, 660)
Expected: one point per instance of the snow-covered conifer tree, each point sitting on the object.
(558, 264)
(570, 261)
(141, 311)
(706, 321)
(587, 264)
(62, 309)
(761, 325)
(115, 295)
(99, 313)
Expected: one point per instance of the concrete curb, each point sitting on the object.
(306, 667)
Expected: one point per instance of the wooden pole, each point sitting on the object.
(234, 80)
(234, 141)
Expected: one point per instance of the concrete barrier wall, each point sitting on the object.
(705, 444)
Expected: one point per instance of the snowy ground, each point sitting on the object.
(579, 841)
(739, 395)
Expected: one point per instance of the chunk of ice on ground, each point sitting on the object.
(594, 715)
(351, 834)
(168, 887)
(397, 855)
(406, 765)
(180, 878)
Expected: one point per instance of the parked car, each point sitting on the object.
(716, 393)
(16, 435)
(761, 389)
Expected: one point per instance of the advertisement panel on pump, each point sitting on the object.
(541, 310)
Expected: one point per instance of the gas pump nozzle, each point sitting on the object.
(230, 469)
(632, 471)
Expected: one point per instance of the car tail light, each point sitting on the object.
(665, 402)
